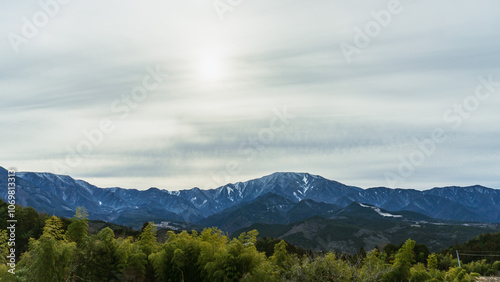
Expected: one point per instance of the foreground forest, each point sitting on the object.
(67, 251)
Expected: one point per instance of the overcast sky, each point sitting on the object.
(238, 92)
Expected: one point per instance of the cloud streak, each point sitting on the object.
(352, 121)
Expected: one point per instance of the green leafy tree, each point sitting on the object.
(78, 229)
(432, 262)
(418, 273)
(460, 275)
(402, 263)
(77, 232)
(281, 258)
(374, 266)
(147, 239)
(4, 251)
(446, 261)
(178, 259)
(329, 268)
(240, 258)
(54, 228)
(102, 257)
(131, 260)
(49, 258)
(148, 244)
(283, 261)
(4, 248)
(390, 250)
(421, 253)
(29, 225)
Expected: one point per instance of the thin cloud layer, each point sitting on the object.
(267, 89)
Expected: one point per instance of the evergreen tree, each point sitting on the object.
(102, 261)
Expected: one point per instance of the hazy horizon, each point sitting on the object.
(176, 95)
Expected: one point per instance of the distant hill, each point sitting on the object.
(484, 246)
(360, 225)
(269, 208)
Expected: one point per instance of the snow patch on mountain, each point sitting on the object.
(174, 193)
(377, 210)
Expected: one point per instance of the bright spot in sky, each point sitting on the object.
(211, 69)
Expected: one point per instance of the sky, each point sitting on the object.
(182, 94)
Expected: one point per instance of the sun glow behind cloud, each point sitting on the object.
(211, 69)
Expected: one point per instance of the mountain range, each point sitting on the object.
(61, 194)
(307, 210)
(280, 198)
